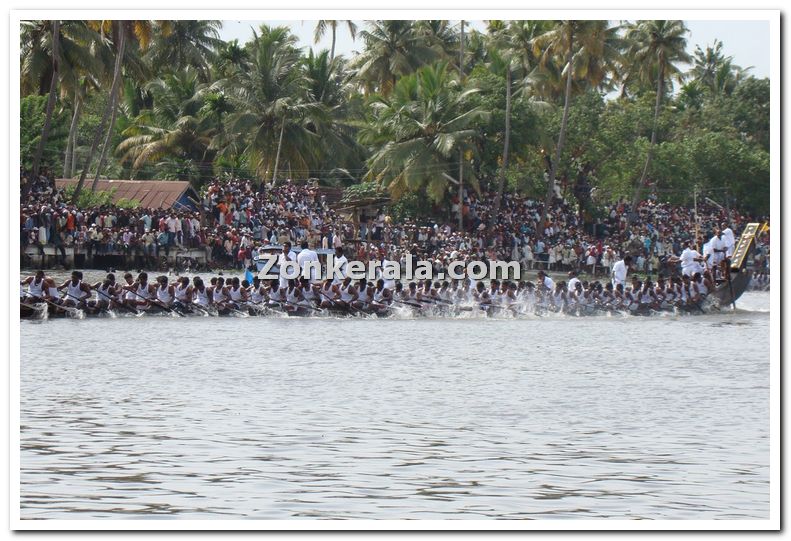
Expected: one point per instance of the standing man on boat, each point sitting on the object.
(729, 238)
(690, 260)
(620, 270)
(304, 257)
(718, 247)
(286, 255)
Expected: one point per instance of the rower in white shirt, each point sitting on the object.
(573, 281)
(545, 281)
(340, 262)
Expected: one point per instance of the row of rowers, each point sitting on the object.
(362, 295)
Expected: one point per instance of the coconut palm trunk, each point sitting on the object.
(332, 48)
(461, 151)
(68, 162)
(506, 144)
(107, 112)
(279, 146)
(106, 145)
(561, 137)
(50, 101)
(639, 188)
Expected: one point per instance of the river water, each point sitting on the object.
(267, 418)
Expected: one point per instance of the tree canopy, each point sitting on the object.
(601, 109)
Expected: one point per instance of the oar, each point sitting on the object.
(111, 301)
(203, 309)
(135, 311)
(319, 310)
(697, 305)
(56, 305)
(503, 307)
(32, 307)
(80, 301)
(157, 303)
(436, 299)
(260, 306)
(226, 305)
(415, 305)
(334, 302)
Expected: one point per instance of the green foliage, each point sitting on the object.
(90, 199)
(527, 125)
(398, 114)
(363, 192)
(32, 111)
(419, 131)
(411, 206)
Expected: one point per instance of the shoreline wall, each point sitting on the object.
(32, 257)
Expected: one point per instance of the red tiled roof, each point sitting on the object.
(150, 193)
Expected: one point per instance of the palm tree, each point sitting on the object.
(501, 59)
(442, 37)
(41, 72)
(419, 130)
(230, 57)
(112, 105)
(715, 71)
(321, 29)
(79, 96)
(510, 54)
(392, 49)
(181, 124)
(272, 104)
(657, 48)
(329, 85)
(78, 80)
(186, 43)
(51, 99)
(121, 31)
(590, 51)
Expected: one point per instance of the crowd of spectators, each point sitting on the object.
(236, 217)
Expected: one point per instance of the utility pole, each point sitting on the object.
(461, 151)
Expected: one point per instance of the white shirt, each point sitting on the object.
(548, 283)
(619, 271)
(343, 264)
(730, 240)
(708, 253)
(717, 244)
(308, 255)
(688, 264)
(573, 283)
(389, 282)
(281, 260)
